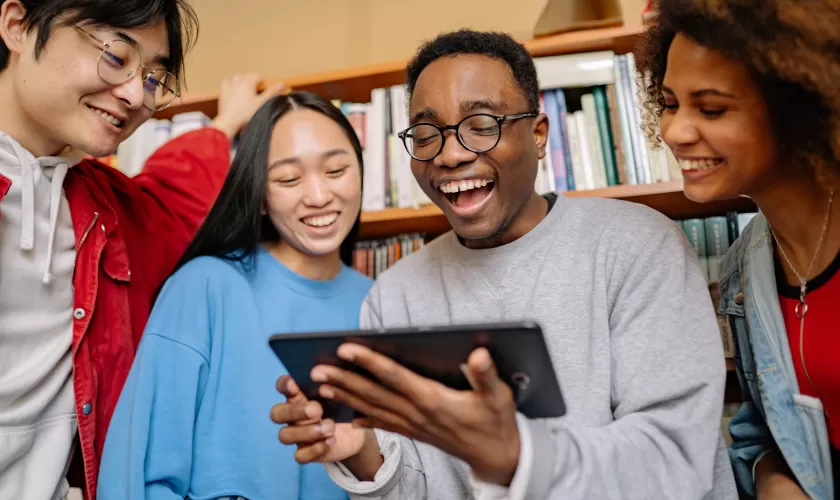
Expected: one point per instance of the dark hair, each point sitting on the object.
(791, 48)
(491, 44)
(235, 227)
(181, 21)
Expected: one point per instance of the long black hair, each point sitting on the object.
(235, 226)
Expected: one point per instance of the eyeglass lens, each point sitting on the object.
(478, 133)
(121, 61)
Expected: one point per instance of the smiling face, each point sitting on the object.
(717, 124)
(481, 194)
(314, 183)
(61, 98)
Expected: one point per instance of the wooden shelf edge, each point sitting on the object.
(665, 197)
(624, 192)
(391, 72)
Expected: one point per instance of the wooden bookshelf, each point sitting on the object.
(666, 197)
(355, 84)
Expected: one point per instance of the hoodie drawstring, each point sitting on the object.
(55, 203)
(27, 196)
(58, 167)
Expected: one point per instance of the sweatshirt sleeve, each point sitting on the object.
(667, 391)
(148, 452)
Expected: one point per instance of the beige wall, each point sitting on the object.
(283, 37)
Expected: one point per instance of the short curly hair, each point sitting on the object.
(487, 43)
(791, 46)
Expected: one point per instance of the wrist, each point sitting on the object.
(226, 125)
(503, 468)
(366, 463)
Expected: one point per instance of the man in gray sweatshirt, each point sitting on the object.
(615, 286)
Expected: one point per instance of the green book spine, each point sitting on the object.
(695, 229)
(603, 113)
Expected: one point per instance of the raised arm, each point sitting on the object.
(181, 180)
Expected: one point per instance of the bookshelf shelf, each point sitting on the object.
(355, 84)
(666, 197)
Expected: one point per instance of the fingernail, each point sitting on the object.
(311, 411)
(486, 363)
(346, 352)
(326, 429)
(330, 441)
(327, 392)
(318, 375)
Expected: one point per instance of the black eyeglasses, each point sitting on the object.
(477, 133)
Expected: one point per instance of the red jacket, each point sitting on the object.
(130, 233)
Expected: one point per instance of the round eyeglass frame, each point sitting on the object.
(442, 129)
(104, 46)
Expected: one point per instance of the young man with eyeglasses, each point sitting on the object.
(615, 286)
(83, 247)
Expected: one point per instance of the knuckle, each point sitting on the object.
(427, 402)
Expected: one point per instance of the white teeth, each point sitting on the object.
(107, 117)
(465, 185)
(320, 220)
(703, 164)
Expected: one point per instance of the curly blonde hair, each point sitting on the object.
(791, 46)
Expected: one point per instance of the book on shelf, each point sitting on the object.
(711, 238)
(373, 257)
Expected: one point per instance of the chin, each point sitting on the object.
(472, 231)
(704, 194)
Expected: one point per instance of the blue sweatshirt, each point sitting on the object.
(193, 417)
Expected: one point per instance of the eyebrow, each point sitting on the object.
(702, 93)
(423, 114)
(161, 59)
(482, 104)
(466, 107)
(326, 155)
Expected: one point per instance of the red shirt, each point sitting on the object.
(130, 233)
(821, 340)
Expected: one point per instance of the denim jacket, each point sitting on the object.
(773, 409)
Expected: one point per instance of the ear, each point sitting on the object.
(540, 131)
(12, 30)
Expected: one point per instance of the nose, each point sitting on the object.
(317, 192)
(131, 92)
(453, 153)
(679, 129)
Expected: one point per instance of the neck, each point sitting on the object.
(796, 210)
(531, 214)
(15, 122)
(314, 267)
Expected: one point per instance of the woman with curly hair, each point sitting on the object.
(746, 94)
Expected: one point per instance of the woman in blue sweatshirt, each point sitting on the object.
(272, 256)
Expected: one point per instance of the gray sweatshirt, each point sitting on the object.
(630, 326)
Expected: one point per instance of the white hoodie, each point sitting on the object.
(37, 256)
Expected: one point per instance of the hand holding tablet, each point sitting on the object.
(412, 381)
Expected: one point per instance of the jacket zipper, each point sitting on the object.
(79, 249)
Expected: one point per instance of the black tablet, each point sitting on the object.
(518, 349)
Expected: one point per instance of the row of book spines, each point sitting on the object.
(602, 144)
(373, 257)
(711, 238)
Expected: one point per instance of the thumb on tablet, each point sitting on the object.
(485, 378)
